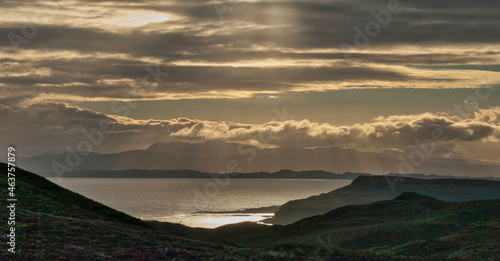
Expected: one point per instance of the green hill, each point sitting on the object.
(53, 223)
(394, 229)
(369, 189)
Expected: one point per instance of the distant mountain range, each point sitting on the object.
(194, 174)
(222, 157)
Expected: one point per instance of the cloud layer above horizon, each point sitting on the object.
(54, 126)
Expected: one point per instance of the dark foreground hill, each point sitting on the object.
(53, 223)
(369, 189)
(408, 227)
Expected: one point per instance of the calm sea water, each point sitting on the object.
(179, 200)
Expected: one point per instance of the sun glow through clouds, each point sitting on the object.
(136, 19)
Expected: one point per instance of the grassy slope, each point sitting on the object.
(365, 190)
(53, 223)
(387, 229)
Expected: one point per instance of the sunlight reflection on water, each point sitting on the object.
(171, 200)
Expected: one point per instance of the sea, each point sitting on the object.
(206, 203)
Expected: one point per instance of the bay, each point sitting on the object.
(187, 201)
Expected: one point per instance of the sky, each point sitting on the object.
(371, 75)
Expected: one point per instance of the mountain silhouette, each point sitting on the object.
(214, 157)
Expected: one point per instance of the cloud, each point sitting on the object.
(92, 51)
(50, 118)
(89, 50)
(490, 116)
(384, 132)
(59, 125)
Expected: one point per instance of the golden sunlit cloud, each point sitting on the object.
(68, 13)
(135, 19)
